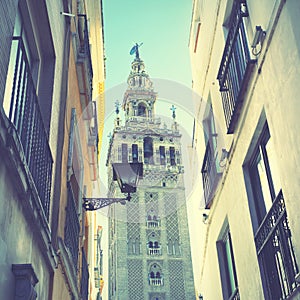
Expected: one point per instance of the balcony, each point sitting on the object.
(236, 66)
(210, 176)
(84, 66)
(84, 285)
(153, 223)
(154, 251)
(25, 115)
(275, 252)
(156, 281)
(72, 227)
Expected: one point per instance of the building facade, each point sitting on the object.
(149, 246)
(49, 145)
(245, 64)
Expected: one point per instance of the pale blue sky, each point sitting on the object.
(163, 27)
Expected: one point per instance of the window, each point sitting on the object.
(278, 266)
(152, 219)
(236, 65)
(148, 150)
(135, 154)
(26, 81)
(124, 153)
(154, 247)
(162, 155)
(155, 275)
(75, 160)
(172, 156)
(141, 110)
(264, 175)
(227, 267)
(210, 166)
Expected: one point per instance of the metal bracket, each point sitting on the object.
(98, 203)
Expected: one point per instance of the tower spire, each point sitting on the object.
(139, 98)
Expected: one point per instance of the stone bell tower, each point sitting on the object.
(149, 245)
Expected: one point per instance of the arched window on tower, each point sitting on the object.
(141, 110)
(148, 150)
(155, 275)
(152, 219)
(154, 247)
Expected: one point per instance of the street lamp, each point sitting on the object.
(127, 176)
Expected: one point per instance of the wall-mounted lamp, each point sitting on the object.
(127, 175)
(200, 297)
(258, 40)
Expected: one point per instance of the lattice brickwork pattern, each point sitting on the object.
(152, 178)
(133, 209)
(171, 218)
(177, 289)
(135, 279)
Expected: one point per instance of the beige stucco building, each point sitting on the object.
(246, 67)
(49, 144)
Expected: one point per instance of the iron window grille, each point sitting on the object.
(25, 114)
(236, 65)
(275, 252)
(210, 175)
(277, 262)
(72, 227)
(84, 284)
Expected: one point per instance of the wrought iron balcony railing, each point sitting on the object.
(26, 116)
(72, 227)
(275, 252)
(235, 295)
(84, 285)
(210, 176)
(156, 281)
(154, 251)
(153, 223)
(236, 65)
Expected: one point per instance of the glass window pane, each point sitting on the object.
(10, 77)
(230, 266)
(264, 181)
(273, 167)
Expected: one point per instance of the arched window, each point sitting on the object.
(155, 275)
(141, 110)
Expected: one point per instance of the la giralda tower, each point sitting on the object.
(149, 244)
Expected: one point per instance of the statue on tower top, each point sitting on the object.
(135, 49)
